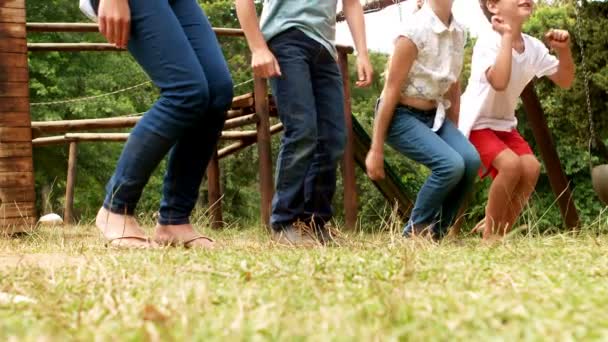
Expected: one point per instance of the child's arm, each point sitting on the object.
(403, 57)
(453, 112)
(262, 60)
(499, 74)
(353, 12)
(559, 40)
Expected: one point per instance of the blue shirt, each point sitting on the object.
(316, 18)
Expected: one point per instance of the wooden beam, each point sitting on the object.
(544, 140)
(17, 209)
(234, 148)
(9, 119)
(238, 146)
(237, 135)
(348, 160)
(62, 126)
(16, 164)
(15, 104)
(15, 134)
(241, 121)
(70, 184)
(12, 15)
(11, 150)
(264, 150)
(8, 195)
(93, 27)
(373, 6)
(13, 45)
(16, 179)
(71, 47)
(12, 60)
(12, 3)
(9, 226)
(242, 101)
(11, 30)
(214, 192)
(13, 89)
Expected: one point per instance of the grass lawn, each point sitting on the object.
(373, 287)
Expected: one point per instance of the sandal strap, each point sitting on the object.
(188, 242)
(140, 238)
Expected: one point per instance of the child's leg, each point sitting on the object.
(502, 192)
(413, 138)
(530, 170)
(497, 158)
(295, 101)
(453, 203)
(320, 181)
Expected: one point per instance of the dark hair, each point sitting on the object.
(484, 7)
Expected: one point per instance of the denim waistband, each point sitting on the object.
(427, 112)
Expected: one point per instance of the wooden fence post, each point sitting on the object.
(68, 215)
(544, 140)
(264, 149)
(17, 197)
(348, 161)
(214, 192)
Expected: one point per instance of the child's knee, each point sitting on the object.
(510, 167)
(452, 169)
(530, 168)
(472, 161)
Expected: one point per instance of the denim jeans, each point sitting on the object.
(310, 101)
(174, 43)
(449, 155)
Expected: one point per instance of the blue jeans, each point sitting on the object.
(310, 102)
(449, 155)
(174, 43)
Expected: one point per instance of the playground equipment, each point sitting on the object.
(599, 173)
(18, 135)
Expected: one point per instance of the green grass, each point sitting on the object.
(373, 287)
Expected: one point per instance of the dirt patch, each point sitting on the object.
(42, 260)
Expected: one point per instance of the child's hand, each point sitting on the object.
(558, 39)
(499, 25)
(115, 21)
(374, 163)
(365, 71)
(264, 64)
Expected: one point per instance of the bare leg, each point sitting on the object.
(501, 192)
(530, 171)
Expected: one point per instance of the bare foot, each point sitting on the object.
(181, 235)
(121, 230)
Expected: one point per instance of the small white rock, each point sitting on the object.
(51, 220)
(7, 298)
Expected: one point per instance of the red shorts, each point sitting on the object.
(490, 143)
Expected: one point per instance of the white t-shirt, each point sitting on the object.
(483, 107)
(439, 61)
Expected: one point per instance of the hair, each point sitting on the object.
(484, 7)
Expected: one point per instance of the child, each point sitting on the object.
(421, 87)
(295, 49)
(175, 44)
(504, 61)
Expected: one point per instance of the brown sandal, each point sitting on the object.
(136, 242)
(187, 243)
